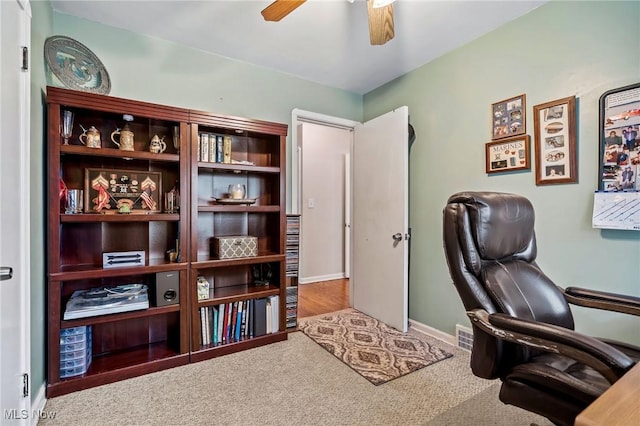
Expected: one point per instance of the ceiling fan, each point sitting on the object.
(380, 16)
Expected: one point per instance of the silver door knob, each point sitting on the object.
(397, 237)
(6, 273)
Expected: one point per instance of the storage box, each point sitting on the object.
(234, 246)
(75, 351)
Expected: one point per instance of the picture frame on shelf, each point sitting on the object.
(508, 117)
(619, 126)
(555, 142)
(110, 191)
(507, 155)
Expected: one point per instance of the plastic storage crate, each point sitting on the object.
(75, 351)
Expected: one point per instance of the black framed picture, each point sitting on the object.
(620, 139)
(122, 191)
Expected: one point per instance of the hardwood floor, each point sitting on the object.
(322, 297)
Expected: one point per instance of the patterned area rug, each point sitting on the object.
(376, 351)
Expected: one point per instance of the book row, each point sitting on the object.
(235, 321)
(214, 148)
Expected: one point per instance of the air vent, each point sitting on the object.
(464, 337)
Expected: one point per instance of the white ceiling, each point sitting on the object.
(325, 41)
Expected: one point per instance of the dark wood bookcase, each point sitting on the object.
(262, 144)
(133, 343)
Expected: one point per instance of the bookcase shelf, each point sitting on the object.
(116, 153)
(239, 292)
(119, 365)
(86, 271)
(131, 343)
(212, 351)
(119, 316)
(216, 143)
(205, 261)
(114, 217)
(239, 209)
(235, 168)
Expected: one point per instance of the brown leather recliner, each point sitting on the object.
(523, 329)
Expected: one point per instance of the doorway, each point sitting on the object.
(321, 194)
(378, 284)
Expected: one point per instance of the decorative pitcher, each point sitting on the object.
(126, 138)
(90, 137)
(157, 145)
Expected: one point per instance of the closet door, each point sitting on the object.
(14, 212)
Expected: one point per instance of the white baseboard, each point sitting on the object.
(330, 277)
(430, 331)
(38, 404)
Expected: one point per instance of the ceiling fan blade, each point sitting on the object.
(279, 9)
(380, 23)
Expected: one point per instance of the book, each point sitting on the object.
(220, 322)
(238, 327)
(227, 331)
(269, 316)
(212, 148)
(250, 318)
(211, 327)
(199, 155)
(226, 149)
(203, 325)
(219, 149)
(216, 310)
(245, 317)
(260, 317)
(232, 325)
(225, 321)
(204, 147)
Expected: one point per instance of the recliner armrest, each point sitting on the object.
(603, 300)
(607, 360)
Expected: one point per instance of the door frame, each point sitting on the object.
(299, 116)
(23, 267)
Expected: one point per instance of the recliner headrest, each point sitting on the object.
(502, 224)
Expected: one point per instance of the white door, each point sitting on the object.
(14, 212)
(380, 224)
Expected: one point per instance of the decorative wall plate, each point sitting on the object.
(75, 65)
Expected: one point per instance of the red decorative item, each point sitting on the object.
(63, 190)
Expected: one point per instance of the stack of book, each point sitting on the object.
(292, 257)
(236, 321)
(292, 245)
(214, 148)
(292, 307)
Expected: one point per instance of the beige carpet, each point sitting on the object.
(376, 351)
(485, 409)
(294, 382)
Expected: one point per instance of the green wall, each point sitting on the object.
(41, 28)
(558, 50)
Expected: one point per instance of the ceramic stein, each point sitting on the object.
(157, 145)
(126, 138)
(90, 137)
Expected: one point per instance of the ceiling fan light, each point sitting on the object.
(381, 3)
